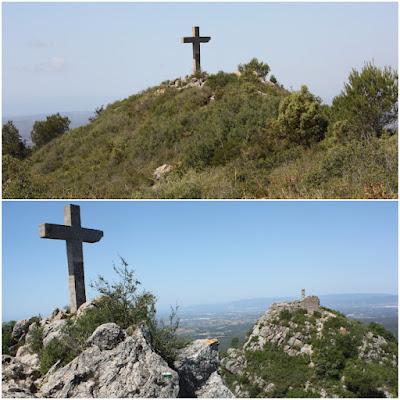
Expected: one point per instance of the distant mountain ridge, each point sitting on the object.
(336, 301)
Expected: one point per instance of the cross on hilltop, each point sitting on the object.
(196, 39)
(74, 235)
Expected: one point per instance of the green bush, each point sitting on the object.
(301, 119)
(285, 315)
(45, 131)
(368, 102)
(55, 351)
(363, 382)
(7, 340)
(378, 329)
(254, 65)
(12, 143)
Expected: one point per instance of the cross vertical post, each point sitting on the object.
(196, 39)
(74, 235)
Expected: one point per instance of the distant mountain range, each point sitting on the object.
(24, 123)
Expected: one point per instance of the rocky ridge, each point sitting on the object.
(115, 363)
(314, 338)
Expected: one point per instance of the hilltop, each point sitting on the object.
(226, 135)
(301, 349)
(111, 362)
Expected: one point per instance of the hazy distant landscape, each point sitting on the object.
(225, 321)
(24, 123)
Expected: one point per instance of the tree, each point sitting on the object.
(368, 101)
(12, 142)
(124, 305)
(45, 131)
(261, 68)
(301, 118)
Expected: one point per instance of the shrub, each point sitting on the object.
(299, 316)
(7, 340)
(55, 351)
(261, 68)
(220, 80)
(12, 143)
(45, 131)
(363, 382)
(285, 314)
(301, 119)
(378, 329)
(317, 314)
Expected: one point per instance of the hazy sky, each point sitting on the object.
(199, 252)
(77, 56)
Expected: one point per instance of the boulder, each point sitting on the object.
(25, 357)
(53, 330)
(195, 365)
(21, 328)
(106, 336)
(161, 171)
(129, 369)
(215, 387)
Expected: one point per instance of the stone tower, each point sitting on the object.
(303, 293)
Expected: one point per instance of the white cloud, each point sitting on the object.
(53, 64)
(40, 43)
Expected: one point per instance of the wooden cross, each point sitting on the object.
(74, 235)
(196, 39)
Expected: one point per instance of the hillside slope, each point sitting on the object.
(300, 349)
(216, 136)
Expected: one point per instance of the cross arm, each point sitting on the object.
(197, 39)
(63, 232)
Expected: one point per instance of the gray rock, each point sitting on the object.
(130, 369)
(25, 357)
(234, 362)
(215, 387)
(106, 336)
(195, 364)
(18, 378)
(21, 328)
(53, 330)
(161, 171)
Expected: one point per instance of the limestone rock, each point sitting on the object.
(130, 369)
(18, 378)
(215, 387)
(106, 336)
(53, 330)
(21, 328)
(161, 171)
(25, 357)
(234, 362)
(195, 364)
(86, 306)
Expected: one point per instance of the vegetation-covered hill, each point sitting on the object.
(223, 136)
(299, 349)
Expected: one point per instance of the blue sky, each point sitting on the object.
(78, 56)
(199, 252)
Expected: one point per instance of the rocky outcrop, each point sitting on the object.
(289, 330)
(115, 363)
(18, 378)
(197, 366)
(113, 368)
(268, 328)
(21, 328)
